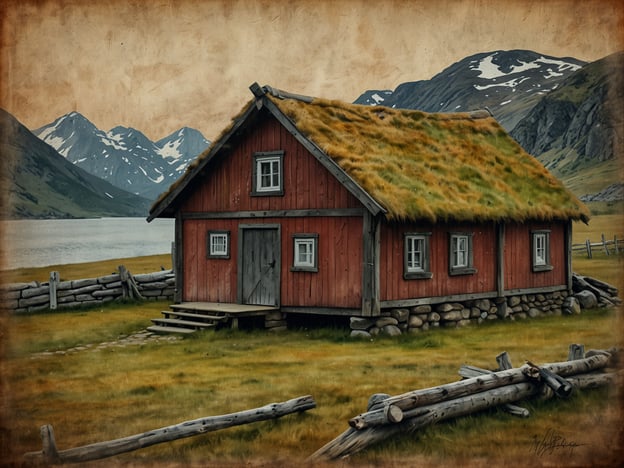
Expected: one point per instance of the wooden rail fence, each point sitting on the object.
(609, 246)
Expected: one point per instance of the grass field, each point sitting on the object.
(101, 394)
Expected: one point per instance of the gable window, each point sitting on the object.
(416, 256)
(268, 173)
(541, 250)
(218, 244)
(305, 252)
(460, 254)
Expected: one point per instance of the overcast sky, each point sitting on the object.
(160, 65)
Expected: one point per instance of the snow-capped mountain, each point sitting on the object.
(508, 83)
(37, 182)
(177, 147)
(123, 156)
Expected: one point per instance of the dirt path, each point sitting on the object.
(138, 338)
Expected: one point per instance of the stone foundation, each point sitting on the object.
(420, 318)
(275, 321)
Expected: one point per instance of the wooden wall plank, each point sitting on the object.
(518, 268)
(395, 287)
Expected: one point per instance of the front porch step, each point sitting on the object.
(182, 323)
(241, 310)
(163, 329)
(192, 315)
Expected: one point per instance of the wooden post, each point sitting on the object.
(604, 244)
(576, 351)
(504, 363)
(129, 288)
(49, 451)
(588, 247)
(166, 434)
(54, 280)
(615, 246)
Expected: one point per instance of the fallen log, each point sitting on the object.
(51, 455)
(481, 382)
(476, 381)
(427, 406)
(504, 363)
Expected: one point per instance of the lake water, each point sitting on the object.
(37, 243)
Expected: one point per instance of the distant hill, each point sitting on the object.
(577, 130)
(507, 82)
(123, 156)
(37, 182)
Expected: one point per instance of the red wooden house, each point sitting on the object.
(323, 207)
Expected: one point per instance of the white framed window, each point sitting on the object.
(268, 171)
(218, 244)
(305, 252)
(460, 253)
(416, 256)
(540, 247)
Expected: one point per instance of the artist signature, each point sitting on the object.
(550, 441)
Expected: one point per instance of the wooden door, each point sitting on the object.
(259, 264)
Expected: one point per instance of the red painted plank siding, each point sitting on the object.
(518, 268)
(336, 284)
(307, 184)
(395, 287)
(208, 280)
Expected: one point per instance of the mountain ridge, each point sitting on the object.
(124, 156)
(37, 182)
(508, 83)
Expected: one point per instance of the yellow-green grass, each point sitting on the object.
(135, 265)
(606, 268)
(97, 395)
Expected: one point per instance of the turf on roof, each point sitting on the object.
(435, 167)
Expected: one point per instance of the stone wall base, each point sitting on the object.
(421, 318)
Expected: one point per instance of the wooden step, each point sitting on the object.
(198, 315)
(182, 323)
(163, 329)
(241, 310)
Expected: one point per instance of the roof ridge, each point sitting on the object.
(259, 91)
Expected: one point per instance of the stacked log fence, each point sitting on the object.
(57, 294)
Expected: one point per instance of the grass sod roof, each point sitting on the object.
(435, 167)
(417, 165)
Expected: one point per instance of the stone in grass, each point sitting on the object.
(359, 323)
(587, 299)
(391, 330)
(571, 306)
(360, 334)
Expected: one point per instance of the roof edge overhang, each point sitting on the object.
(163, 207)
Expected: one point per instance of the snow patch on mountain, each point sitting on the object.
(488, 69)
(509, 84)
